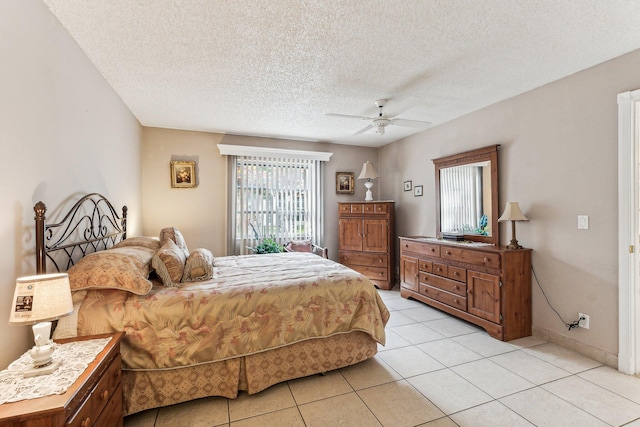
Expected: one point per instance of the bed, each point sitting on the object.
(258, 320)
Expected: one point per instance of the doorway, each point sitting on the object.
(628, 232)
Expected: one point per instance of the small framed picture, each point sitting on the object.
(344, 182)
(417, 190)
(407, 186)
(183, 174)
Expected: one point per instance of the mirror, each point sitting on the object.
(467, 195)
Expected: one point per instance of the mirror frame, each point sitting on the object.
(489, 153)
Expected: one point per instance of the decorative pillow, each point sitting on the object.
(299, 246)
(169, 263)
(141, 241)
(172, 233)
(199, 266)
(125, 268)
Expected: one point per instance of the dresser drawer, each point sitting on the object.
(379, 273)
(420, 248)
(444, 297)
(426, 266)
(359, 258)
(447, 285)
(356, 208)
(484, 259)
(344, 208)
(440, 269)
(457, 273)
(99, 397)
(380, 208)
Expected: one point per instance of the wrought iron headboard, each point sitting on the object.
(91, 225)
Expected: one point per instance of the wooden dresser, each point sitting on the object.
(366, 240)
(95, 399)
(486, 285)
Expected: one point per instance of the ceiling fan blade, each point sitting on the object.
(347, 116)
(418, 124)
(363, 130)
(398, 105)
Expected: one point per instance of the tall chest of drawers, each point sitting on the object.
(486, 285)
(366, 240)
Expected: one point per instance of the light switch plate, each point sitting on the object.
(583, 222)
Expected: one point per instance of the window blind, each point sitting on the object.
(274, 196)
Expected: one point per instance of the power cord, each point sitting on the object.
(572, 325)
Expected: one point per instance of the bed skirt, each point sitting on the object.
(253, 373)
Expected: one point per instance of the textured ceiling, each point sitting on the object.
(275, 68)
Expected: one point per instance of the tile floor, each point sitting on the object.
(435, 371)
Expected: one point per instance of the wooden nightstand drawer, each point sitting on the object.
(112, 413)
(101, 394)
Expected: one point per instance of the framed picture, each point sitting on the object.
(407, 186)
(183, 174)
(344, 183)
(417, 190)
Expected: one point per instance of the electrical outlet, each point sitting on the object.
(583, 320)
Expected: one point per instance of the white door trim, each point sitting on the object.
(628, 188)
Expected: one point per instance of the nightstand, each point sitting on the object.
(95, 399)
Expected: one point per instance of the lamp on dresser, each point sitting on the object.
(368, 172)
(513, 213)
(37, 301)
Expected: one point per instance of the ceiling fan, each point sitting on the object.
(381, 121)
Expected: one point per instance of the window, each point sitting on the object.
(276, 194)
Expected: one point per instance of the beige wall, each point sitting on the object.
(558, 158)
(64, 132)
(200, 213)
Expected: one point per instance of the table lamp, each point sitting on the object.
(36, 301)
(368, 173)
(513, 213)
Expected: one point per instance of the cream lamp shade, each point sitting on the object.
(368, 172)
(41, 298)
(36, 301)
(513, 213)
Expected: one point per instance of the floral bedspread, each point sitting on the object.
(252, 304)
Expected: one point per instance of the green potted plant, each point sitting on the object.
(268, 246)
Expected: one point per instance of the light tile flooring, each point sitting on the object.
(435, 371)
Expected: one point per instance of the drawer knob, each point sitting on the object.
(486, 259)
(86, 422)
(406, 245)
(456, 287)
(104, 395)
(448, 253)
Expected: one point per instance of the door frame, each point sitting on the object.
(628, 229)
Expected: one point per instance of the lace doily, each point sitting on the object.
(75, 357)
